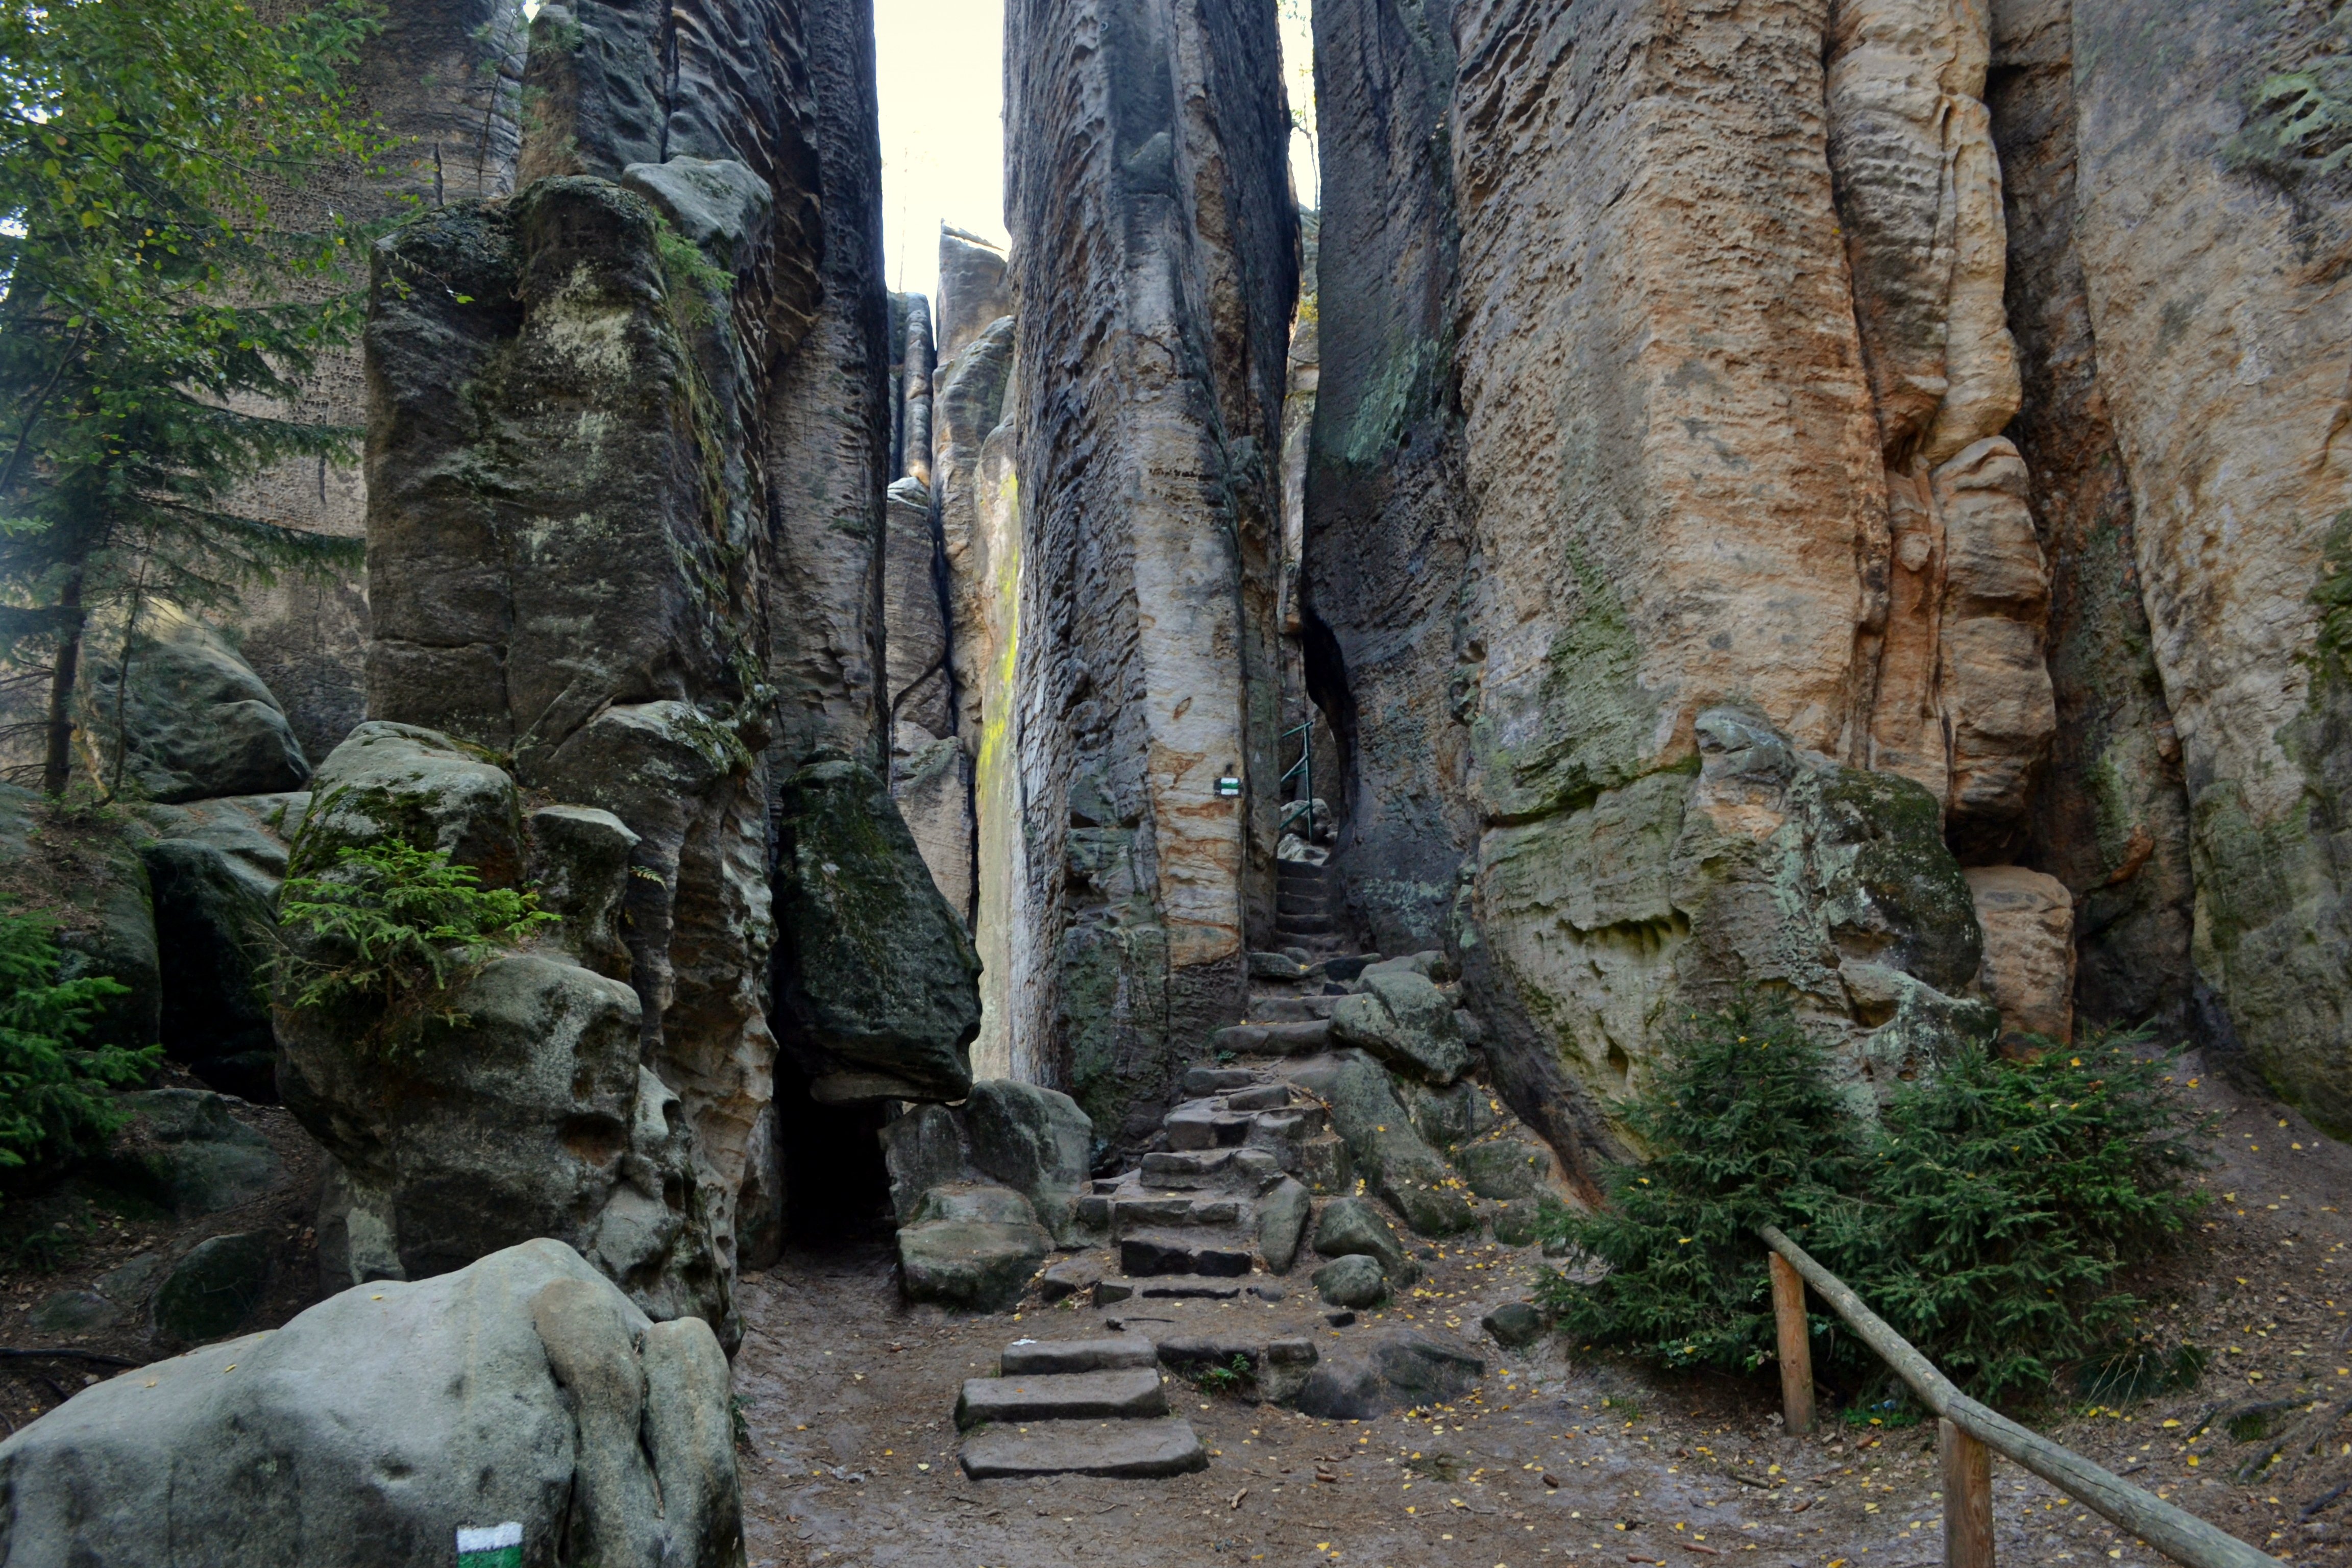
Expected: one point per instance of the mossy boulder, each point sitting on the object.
(216, 867)
(971, 1247)
(1586, 934)
(175, 712)
(212, 1290)
(877, 986)
(1402, 1169)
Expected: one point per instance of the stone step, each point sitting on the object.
(1270, 1009)
(1062, 1396)
(1201, 1082)
(1172, 1210)
(1259, 1097)
(1303, 1039)
(1288, 903)
(1117, 1450)
(1047, 1357)
(1293, 1124)
(1287, 926)
(1206, 1124)
(1301, 871)
(1173, 1287)
(1348, 966)
(1154, 1254)
(1207, 1170)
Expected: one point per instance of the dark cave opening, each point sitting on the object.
(836, 1188)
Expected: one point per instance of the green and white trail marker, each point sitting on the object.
(490, 1546)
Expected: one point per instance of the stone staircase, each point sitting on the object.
(1084, 1407)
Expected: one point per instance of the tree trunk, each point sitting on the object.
(57, 766)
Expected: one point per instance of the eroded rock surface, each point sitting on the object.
(516, 1107)
(524, 1388)
(1156, 261)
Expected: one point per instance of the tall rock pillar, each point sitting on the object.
(1155, 258)
(567, 502)
(2211, 208)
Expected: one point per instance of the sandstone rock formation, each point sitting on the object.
(2028, 919)
(614, 654)
(876, 976)
(827, 436)
(216, 867)
(2111, 818)
(627, 451)
(168, 711)
(382, 1424)
(1380, 627)
(521, 1109)
(2208, 197)
(1156, 261)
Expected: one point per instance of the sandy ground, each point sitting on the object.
(849, 1398)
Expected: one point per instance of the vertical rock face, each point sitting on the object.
(444, 80)
(2210, 208)
(930, 771)
(592, 613)
(1597, 545)
(1959, 696)
(828, 444)
(2110, 819)
(1387, 546)
(629, 436)
(1156, 262)
(975, 290)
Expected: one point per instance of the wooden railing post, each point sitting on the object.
(1796, 1347)
(1966, 1466)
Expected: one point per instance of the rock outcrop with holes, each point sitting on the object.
(1155, 258)
(384, 1423)
(517, 1105)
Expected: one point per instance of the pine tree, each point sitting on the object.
(160, 314)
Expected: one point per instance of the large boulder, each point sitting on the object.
(971, 1247)
(877, 983)
(191, 719)
(1405, 1020)
(216, 867)
(378, 1425)
(1350, 1228)
(85, 876)
(185, 1151)
(2029, 950)
(516, 1106)
(1036, 1141)
(1403, 1170)
(1394, 1369)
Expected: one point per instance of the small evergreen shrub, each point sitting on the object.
(56, 1096)
(394, 929)
(1984, 1215)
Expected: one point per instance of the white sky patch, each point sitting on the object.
(940, 69)
(940, 74)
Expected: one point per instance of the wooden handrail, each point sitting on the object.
(2177, 1533)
